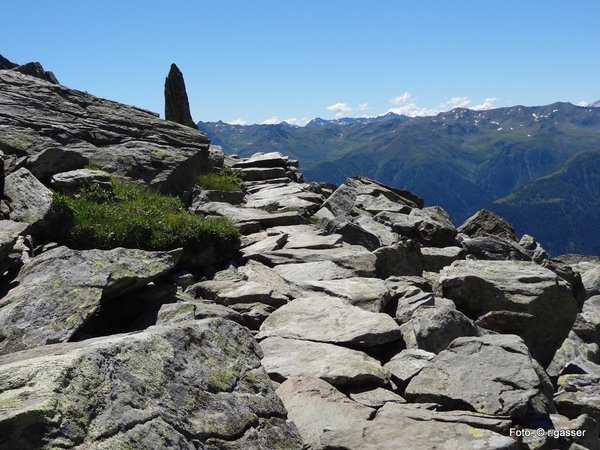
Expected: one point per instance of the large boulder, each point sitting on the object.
(177, 106)
(578, 394)
(59, 129)
(61, 289)
(285, 358)
(10, 232)
(493, 375)
(514, 297)
(70, 182)
(29, 200)
(176, 387)
(433, 328)
(329, 319)
(487, 223)
(393, 433)
(314, 406)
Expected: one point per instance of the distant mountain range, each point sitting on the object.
(537, 166)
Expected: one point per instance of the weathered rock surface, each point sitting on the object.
(407, 433)
(433, 328)
(194, 384)
(10, 232)
(406, 364)
(177, 106)
(318, 270)
(467, 376)
(59, 129)
(514, 297)
(285, 358)
(332, 320)
(494, 248)
(314, 406)
(61, 289)
(435, 259)
(371, 294)
(375, 398)
(29, 200)
(578, 394)
(73, 180)
(487, 223)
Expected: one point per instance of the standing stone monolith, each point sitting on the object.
(177, 107)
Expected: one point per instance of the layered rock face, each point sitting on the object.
(48, 129)
(353, 317)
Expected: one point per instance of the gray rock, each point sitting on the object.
(309, 237)
(270, 243)
(35, 69)
(375, 398)
(10, 232)
(72, 128)
(514, 297)
(177, 107)
(407, 433)
(435, 229)
(371, 294)
(251, 292)
(533, 248)
(175, 312)
(285, 358)
(435, 259)
(578, 394)
(422, 412)
(494, 248)
(282, 194)
(352, 257)
(262, 173)
(318, 270)
(111, 392)
(249, 219)
(402, 258)
(272, 159)
(406, 364)
(573, 350)
(332, 320)
(314, 406)
(29, 200)
(61, 289)
(487, 223)
(467, 376)
(433, 328)
(253, 314)
(73, 180)
(259, 273)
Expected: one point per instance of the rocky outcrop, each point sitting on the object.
(61, 289)
(466, 376)
(50, 129)
(487, 223)
(177, 106)
(198, 383)
(514, 297)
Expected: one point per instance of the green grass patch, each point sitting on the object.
(133, 216)
(225, 180)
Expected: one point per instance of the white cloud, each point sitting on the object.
(455, 102)
(363, 106)
(488, 103)
(299, 122)
(272, 121)
(237, 122)
(583, 103)
(401, 99)
(412, 110)
(340, 109)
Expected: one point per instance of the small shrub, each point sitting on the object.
(225, 180)
(133, 216)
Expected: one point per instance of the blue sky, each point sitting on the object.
(257, 61)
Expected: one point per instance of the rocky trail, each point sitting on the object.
(352, 316)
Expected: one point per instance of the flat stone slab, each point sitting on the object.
(318, 270)
(370, 294)
(332, 320)
(285, 358)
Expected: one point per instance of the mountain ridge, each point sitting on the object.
(461, 159)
